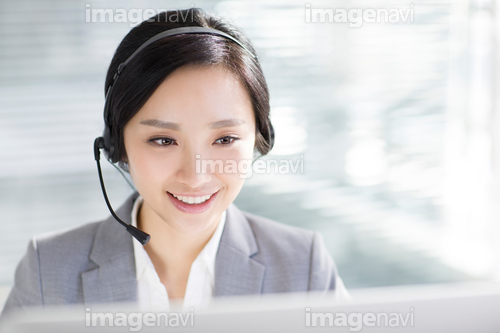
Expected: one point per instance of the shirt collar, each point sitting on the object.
(207, 255)
(209, 252)
(142, 260)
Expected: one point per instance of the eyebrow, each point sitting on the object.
(176, 127)
(227, 123)
(161, 124)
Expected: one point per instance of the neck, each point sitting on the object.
(170, 247)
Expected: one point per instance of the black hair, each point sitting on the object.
(149, 68)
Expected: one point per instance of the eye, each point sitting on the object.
(162, 141)
(226, 140)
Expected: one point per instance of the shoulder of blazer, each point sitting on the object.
(298, 259)
(64, 257)
(278, 239)
(289, 254)
(82, 242)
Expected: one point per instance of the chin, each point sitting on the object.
(194, 224)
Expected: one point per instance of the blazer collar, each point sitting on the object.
(236, 272)
(113, 280)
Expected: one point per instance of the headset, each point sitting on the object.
(107, 141)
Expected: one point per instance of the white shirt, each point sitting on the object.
(151, 293)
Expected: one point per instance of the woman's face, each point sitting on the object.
(197, 114)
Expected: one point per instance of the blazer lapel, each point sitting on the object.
(236, 273)
(114, 278)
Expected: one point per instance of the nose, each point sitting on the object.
(192, 172)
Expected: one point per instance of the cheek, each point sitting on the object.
(148, 168)
(241, 149)
(234, 163)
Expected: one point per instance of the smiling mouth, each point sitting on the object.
(193, 200)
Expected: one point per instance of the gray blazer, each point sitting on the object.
(94, 263)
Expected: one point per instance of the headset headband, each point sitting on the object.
(174, 32)
(109, 143)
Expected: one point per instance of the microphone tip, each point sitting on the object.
(138, 234)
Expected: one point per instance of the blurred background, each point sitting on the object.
(396, 125)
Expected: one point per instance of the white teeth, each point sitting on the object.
(193, 200)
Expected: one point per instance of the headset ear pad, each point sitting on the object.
(109, 146)
(271, 135)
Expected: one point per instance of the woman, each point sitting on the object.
(171, 102)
